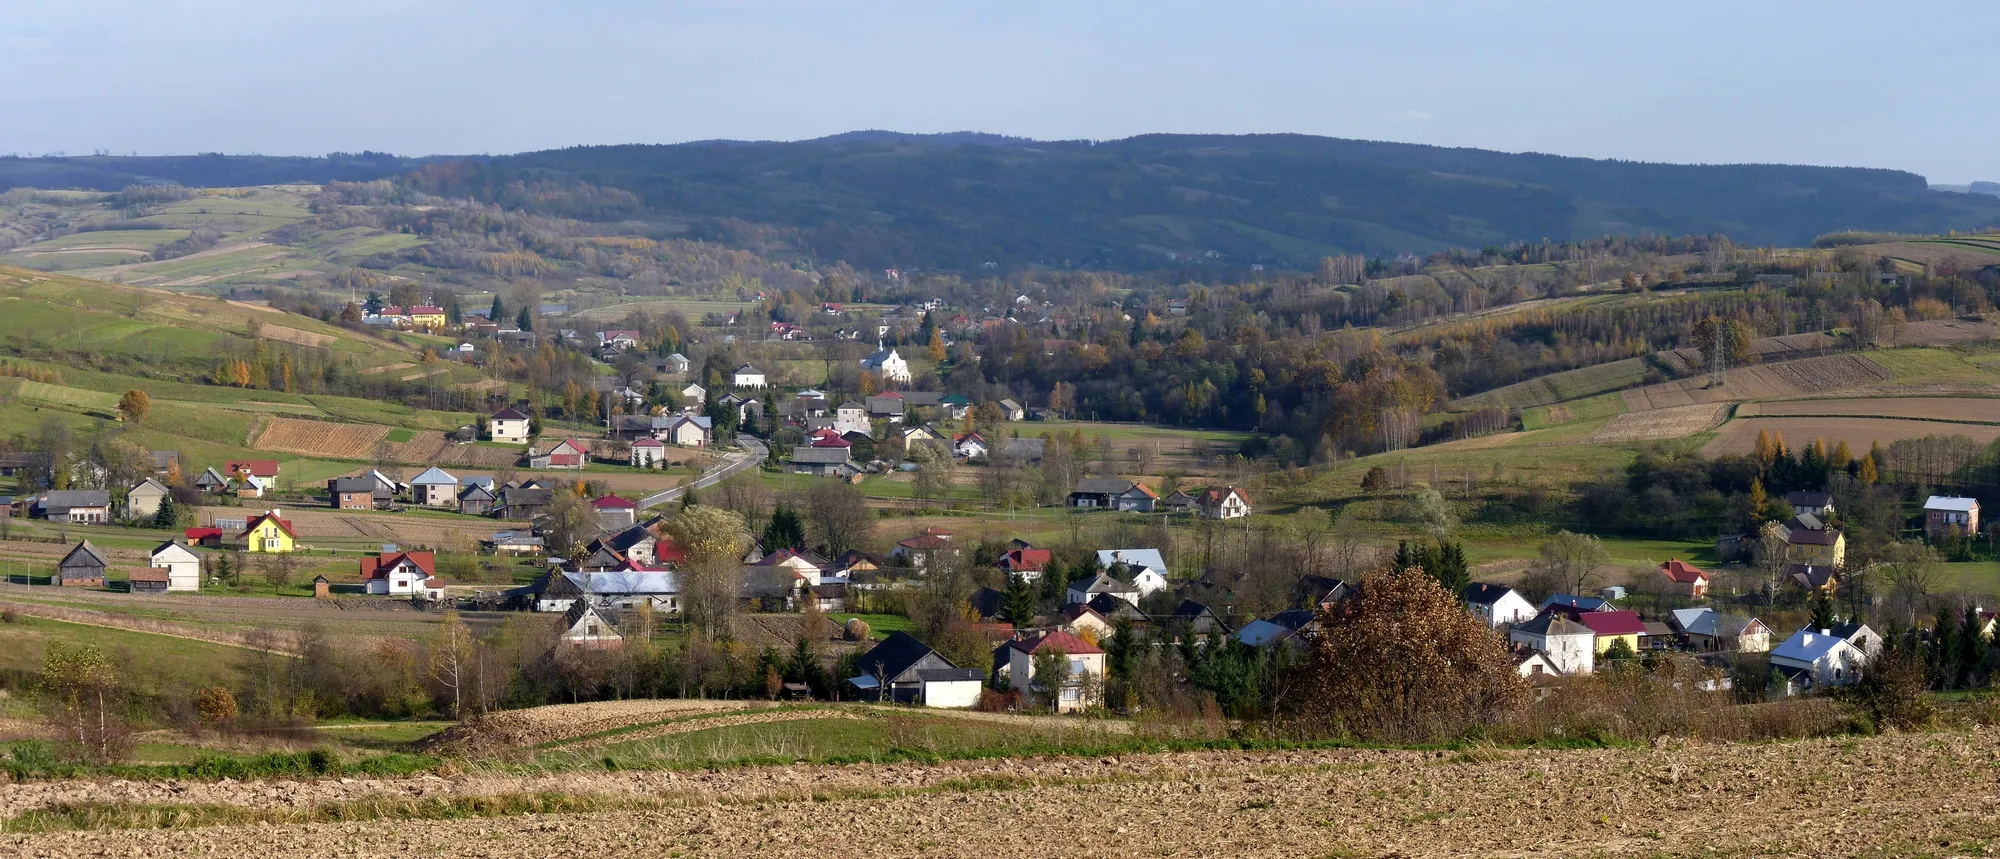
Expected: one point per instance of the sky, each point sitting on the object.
(1831, 82)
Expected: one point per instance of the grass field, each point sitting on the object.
(1912, 363)
(1600, 406)
(1564, 386)
(155, 664)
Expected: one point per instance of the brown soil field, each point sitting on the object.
(293, 335)
(1762, 382)
(1894, 795)
(1943, 332)
(1740, 436)
(1957, 256)
(387, 368)
(407, 529)
(321, 438)
(1678, 422)
(1767, 349)
(1932, 408)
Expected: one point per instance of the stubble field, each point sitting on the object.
(1740, 436)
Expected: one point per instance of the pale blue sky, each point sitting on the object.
(1902, 85)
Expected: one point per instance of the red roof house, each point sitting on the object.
(1685, 579)
(1623, 622)
(612, 502)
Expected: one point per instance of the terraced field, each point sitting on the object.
(1740, 436)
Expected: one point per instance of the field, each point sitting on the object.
(1962, 254)
(1923, 794)
(1740, 436)
(1564, 386)
(1948, 409)
(1764, 381)
(319, 438)
(1678, 422)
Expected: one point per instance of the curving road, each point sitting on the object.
(753, 453)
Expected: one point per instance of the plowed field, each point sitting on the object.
(1928, 408)
(1763, 382)
(1679, 422)
(1740, 436)
(320, 438)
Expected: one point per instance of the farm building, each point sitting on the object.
(76, 506)
(84, 567)
(907, 671)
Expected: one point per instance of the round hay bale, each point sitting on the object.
(857, 629)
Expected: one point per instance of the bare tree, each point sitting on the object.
(837, 517)
(451, 651)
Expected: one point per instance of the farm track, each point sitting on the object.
(1892, 795)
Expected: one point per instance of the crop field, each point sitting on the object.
(320, 438)
(1740, 436)
(405, 528)
(283, 334)
(1600, 406)
(1677, 422)
(1960, 254)
(1764, 381)
(1562, 387)
(1949, 409)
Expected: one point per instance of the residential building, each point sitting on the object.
(566, 454)
(888, 406)
(513, 543)
(1145, 569)
(351, 493)
(1012, 410)
(1496, 605)
(676, 364)
(649, 453)
(1948, 514)
(434, 488)
(887, 364)
(970, 445)
(270, 532)
(1612, 627)
(614, 513)
(1571, 647)
(1086, 662)
(212, 481)
(617, 340)
(850, 417)
(392, 573)
(1197, 619)
(1685, 579)
(76, 506)
(954, 406)
(1806, 501)
(259, 473)
(508, 426)
(1290, 628)
(1817, 659)
(1809, 541)
(1081, 620)
(427, 317)
(1026, 563)
(694, 394)
(1710, 631)
(907, 671)
(83, 567)
(164, 462)
(524, 503)
(1223, 502)
(1113, 493)
(1574, 604)
(1858, 634)
(1811, 577)
(822, 461)
(143, 501)
(591, 626)
(690, 431)
(1084, 589)
(748, 376)
(180, 566)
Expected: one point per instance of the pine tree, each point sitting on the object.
(526, 320)
(499, 311)
(1021, 601)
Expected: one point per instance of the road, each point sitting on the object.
(732, 463)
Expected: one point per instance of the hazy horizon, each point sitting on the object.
(1781, 82)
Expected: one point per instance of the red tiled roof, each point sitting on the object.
(649, 442)
(377, 567)
(831, 441)
(665, 549)
(1683, 572)
(198, 534)
(150, 574)
(257, 467)
(1059, 640)
(426, 310)
(283, 524)
(612, 502)
(1613, 622)
(564, 458)
(1027, 559)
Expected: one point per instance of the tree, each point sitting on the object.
(134, 405)
(80, 696)
(498, 314)
(526, 320)
(1049, 672)
(935, 349)
(570, 522)
(1404, 661)
(1021, 602)
(1913, 570)
(838, 518)
(1570, 561)
(785, 530)
(713, 541)
(451, 650)
(1430, 509)
(1618, 652)
(213, 705)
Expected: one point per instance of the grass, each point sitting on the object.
(1600, 406)
(1564, 386)
(1909, 363)
(157, 664)
(878, 624)
(400, 436)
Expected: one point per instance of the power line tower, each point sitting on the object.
(1718, 356)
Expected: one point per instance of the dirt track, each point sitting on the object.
(1900, 795)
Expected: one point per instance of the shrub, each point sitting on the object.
(214, 705)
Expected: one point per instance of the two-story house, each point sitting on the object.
(508, 426)
(1949, 514)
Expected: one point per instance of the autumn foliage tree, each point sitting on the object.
(83, 700)
(135, 404)
(1404, 661)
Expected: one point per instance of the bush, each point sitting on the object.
(1892, 692)
(215, 706)
(8, 615)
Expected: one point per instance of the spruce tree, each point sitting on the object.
(499, 311)
(1021, 601)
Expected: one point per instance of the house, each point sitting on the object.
(165, 461)
(1710, 631)
(1012, 410)
(888, 406)
(1224, 502)
(1947, 514)
(1496, 605)
(351, 493)
(143, 501)
(392, 573)
(76, 506)
(1026, 563)
(747, 376)
(1083, 589)
(626, 589)
(508, 426)
(1574, 604)
(822, 461)
(270, 532)
(955, 406)
(212, 482)
(1858, 634)
(617, 340)
(525, 503)
(676, 364)
(476, 499)
(1290, 628)
(1320, 592)
(427, 317)
(590, 626)
(987, 603)
(1114, 609)
(1113, 493)
(1534, 664)
(920, 549)
(792, 569)
(613, 512)
(1805, 501)
(1177, 307)
(970, 445)
(567, 454)
(513, 543)
(690, 431)
(829, 596)
(649, 453)
(206, 537)
(180, 567)
(1612, 627)
(1145, 569)
(1197, 619)
(1086, 661)
(694, 393)
(1179, 502)
(260, 473)
(434, 488)
(1081, 620)
(887, 364)
(83, 567)
(1811, 577)
(918, 433)
(1571, 647)
(907, 671)
(1685, 579)
(1810, 541)
(850, 417)
(1816, 659)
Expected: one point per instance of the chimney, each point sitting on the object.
(1826, 632)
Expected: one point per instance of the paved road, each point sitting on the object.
(754, 452)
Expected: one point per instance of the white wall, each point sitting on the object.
(951, 693)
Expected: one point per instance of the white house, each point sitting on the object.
(1145, 569)
(1223, 502)
(648, 453)
(1817, 659)
(508, 426)
(747, 376)
(887, 364)
(1085, 661)
(850, 417)
(402, 573)
(1082, 590)
(694, 393)
(183, 566)
(586, 625)
(1496, 604)
(434, 488)
(1571, 647)
(675, 363)
(969, 445)
(689, 431)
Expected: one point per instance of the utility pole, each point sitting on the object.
(1718, 356)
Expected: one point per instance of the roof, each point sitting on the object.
(1950, 503)
(1027, 559)
(198, 534)
(352, 484)
(746, 368)
(1215, 495)
(434, 476)
(1056, 639)
(1808, 498)
(150, 574)
(875, 359)
(987, 602)
(1812, 575)
(1553, 624)
(1683, 572)
(89, 553)
(612, 502)
(649, 442)
(171, 544)
(1133, 558)
(626, 582)
(949, 675)
(524, 495)
(66, 498)
(256, 467)
(1482, 593)
(157, 486)
(1190, 610)
(1576, 603)
(1613, 622)
(284, 525)
(1010, 405)
(510, 414)
(579, 608)
(819, 455)
(897, 653)
(377, 567)
(1808, 645)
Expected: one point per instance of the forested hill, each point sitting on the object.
(957, 201)
(881, 199)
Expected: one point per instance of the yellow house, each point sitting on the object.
(1809, 541)
(268, 533)
(427, 318)
(1613, 626)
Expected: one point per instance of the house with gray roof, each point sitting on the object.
(76, 506)
(434, 488)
